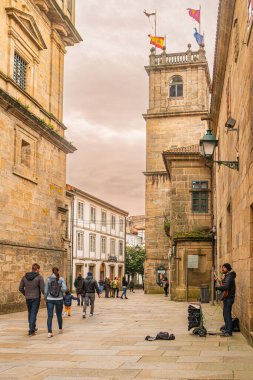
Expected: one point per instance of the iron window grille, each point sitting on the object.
(19, 72)
(200, 196)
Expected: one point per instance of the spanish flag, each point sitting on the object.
(157, 41)
(194, 13)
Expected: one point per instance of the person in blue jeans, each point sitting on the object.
(124, 287)
(228, 288)
(31, 286)
(55, 286)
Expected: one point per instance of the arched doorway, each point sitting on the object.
(102, 272)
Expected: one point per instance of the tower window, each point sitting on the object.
(176, 87)
(19, 72)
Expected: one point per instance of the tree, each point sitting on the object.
(135, 260)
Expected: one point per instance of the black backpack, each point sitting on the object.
(54, 287)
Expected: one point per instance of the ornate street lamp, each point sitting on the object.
(208, 144)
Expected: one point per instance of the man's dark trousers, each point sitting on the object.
(227, 314)
(33, 308)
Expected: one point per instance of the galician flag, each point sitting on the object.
(157, 41)
(194, 13)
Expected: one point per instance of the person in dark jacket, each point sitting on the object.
(228, 288)
(124, 287)
(107, 287)
(90, 286)
(78, 284)
(31, 286)
(67, 301)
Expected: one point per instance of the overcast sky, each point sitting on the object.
(106, 90)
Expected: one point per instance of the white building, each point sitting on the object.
(98, 234)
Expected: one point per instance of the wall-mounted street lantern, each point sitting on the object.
(208, 144)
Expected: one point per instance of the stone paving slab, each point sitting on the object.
(111, 345)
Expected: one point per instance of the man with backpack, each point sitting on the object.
(90, 286)
(31, 286)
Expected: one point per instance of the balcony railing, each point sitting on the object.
(177, 58)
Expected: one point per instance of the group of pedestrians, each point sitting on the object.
(111, 288)
(57, 295)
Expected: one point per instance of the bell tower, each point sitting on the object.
(179, 87)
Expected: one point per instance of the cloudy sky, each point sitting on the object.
(106, 90)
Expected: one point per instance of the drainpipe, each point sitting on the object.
(72, 241)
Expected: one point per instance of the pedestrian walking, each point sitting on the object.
(166, 286)
(111, 288)
(90, 286)
(228, 288)
(54, 288)
(78, 284)
(117, 286)
(131, 285)
(124, 287)
(101, 286)
(67, 301)
(31, 286)
(114, 286)
(107, 287)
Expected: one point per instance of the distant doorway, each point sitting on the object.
(102, 272)
(112, 272)
(79, 269)
(120, 270)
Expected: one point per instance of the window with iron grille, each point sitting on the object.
(103, 218)
(120, 248)
(80, 211)
(121, 224)
(92, 243)
(19, 72)
(113, 246)
(200, 196)
(92, 215)
(103, 244)
(113, 222)
(80, 238)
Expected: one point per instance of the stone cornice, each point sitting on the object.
(224, 27)
(34, 101)
(177, 113)
(28, 246)
(20, 112)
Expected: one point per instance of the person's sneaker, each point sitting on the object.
(50, 335)
(126, 298)
(31, 333)
(225, 334)
(60, 331)
(84, 315)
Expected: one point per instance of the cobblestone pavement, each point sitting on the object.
(111, 345)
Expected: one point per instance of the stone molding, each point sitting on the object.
(171, 113)
(20, 112)
(19, 245)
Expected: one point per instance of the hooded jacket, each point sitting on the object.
(228, 284)
(90, 285)
(32, 285)
(78, 284)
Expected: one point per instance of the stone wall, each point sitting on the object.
(232, 91)
(15, 262)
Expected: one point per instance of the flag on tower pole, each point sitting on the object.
(194, 13)
(157, 41)
(198, 37)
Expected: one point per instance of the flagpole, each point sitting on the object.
(155, 30)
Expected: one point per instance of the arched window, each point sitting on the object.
(176, 87)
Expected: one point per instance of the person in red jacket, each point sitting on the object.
(31, 286)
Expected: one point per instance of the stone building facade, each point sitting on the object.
(34, 35)
(98, 236)
(179, 86)
(232, 98)
(190, 222)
